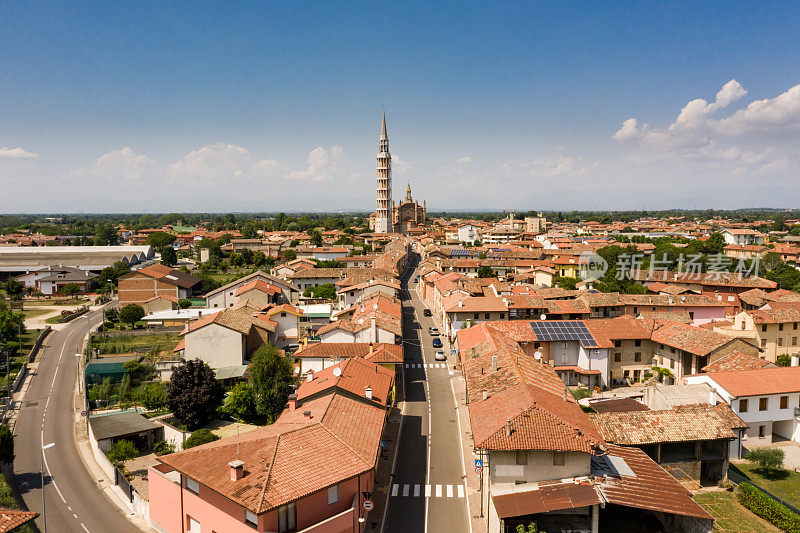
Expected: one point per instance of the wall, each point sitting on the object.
(504, 471)
(216, 345)
(337, 335)
(100, 457)
(138, 288)
(165, 502)
(173, 435)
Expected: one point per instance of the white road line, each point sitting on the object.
(84, 528)
(449, 491)
(416, 490)
(460, 490)
(395, 488)
(438, 491)
(406, 487)
(427, 491)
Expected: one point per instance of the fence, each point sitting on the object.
(122, 482)
(38, 344)
(737, 478)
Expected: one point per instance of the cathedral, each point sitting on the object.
(388, 217)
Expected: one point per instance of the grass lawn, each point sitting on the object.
(730, 514)
(129, 343)
(38, 311)
(785, 486)
(39, 303)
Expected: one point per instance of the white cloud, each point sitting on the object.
(124, 164)
(464, 160)
(213, 162)
(400, 166)
(547, 167)
(16, 153)
(780, 113)
(323, 165)
(629, 130)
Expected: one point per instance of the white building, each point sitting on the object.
(383, 214)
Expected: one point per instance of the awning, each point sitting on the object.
(550, 496)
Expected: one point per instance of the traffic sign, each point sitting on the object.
(478, 470)
(383, 444)
(84, 413)
(478, 463)
(367, 495)
(368, 505)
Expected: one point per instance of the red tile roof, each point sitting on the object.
(11, 519)
(354, 376)
(759, 381)
(259, 285)
(377, 353)
(736, 361)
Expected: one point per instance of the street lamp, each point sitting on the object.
(44, 516)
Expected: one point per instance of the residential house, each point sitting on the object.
(351, 294)
(308, 471)
(742, 236)
(141, 285)
(226, 296)
(51, 279)
(775, 331)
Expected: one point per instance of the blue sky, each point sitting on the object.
(275, 106)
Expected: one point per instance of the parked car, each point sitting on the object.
(440, 356)
(434, 331)
(427, 312)
(416, 280)
(437, 342)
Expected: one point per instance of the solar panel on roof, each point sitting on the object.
(559, 330)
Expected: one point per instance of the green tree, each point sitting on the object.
(530, 529)
(326, 291)
(201, 436)
(121, 451)
(168, 256)
(105, 235)
(485, 272)
(184, 303)
(111, 314)
(193, 393)
(11, 323)
(69, 289)
(160, 239)
(272, 381)
(131, 313)
(6, 445)
(783, 360)
(138, 372)
(289, 255)
(714, 244)
(13, 288)
(124, 390)
(241, 402)
(154, 396)
(769, 460)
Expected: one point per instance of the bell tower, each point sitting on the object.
(383, 214)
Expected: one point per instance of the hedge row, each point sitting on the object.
(768, 509)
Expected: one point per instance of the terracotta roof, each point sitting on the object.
(688, 338)
(259, 285)
(354, 376)
(377, 353)
(235, 319)
(736, 361)
(168, 275)
(674, 316)
(618, 405)
(284, 308)
(459, 303)
(759, 381)
(719, 279)
(342, 436)
(547, 496)
(168, 297)
(11, 519)
(682, 424)
(775, 316)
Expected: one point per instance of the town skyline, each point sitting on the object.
(170, 102)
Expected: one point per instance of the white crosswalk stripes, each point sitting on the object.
(425, 365)
(408, 490)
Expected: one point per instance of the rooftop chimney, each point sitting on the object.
(310, 375)
(494, 363)
(237, 469)
(306, 414)
(368, 392)
(712, 396)
(795, 360)
(292, 402)
(485, 395)
(508, 428)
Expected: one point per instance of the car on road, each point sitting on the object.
(437, 342)
(427, 312)
(416, 280)
(440, 356)
(434, 331)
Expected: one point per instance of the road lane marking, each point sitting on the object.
(406, 487)
(460, 491)
(449, 491)
(416, 490)
(84, 528)
(438, 491)
(395, 488)
(427, 491)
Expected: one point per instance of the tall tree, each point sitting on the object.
(271, 378)
(168, 256)
(193, 393)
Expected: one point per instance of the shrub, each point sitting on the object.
(201, 436)
(121, 451)
(783, 360)
(193, 393)
(154, 396)
(768, 460)
(163, 447)
(108, 325)
(6, 444)
(768, 509)
(131, 313)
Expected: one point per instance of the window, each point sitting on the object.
(762, 404)
(486, 316)
(283, 315)
(192, 525)
(672, 363)
(635, 310)
(637, 342)
(519, 482)
(502, 316)
(794, 326)
(784, 402)
(250, 519)
(617, 357)
(780, 327)
(333, 494)
(476, 316)
(762, 431)
(520, 457)
(287, 518)
(780, 341)
(559, 458)
(794, 341)
(763, 343)
(192, 485)
(742, 406)
(617, 344)
(637, 356)
(636, 374)
(764, 328)
(626, 374)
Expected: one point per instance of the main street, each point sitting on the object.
(428, 490)
(74, 500)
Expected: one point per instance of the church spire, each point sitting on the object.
(408, 193)
(383, 142)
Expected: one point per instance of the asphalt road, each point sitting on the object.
(428, 491)
(74, 502)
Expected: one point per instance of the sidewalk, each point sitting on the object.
(478, 523)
